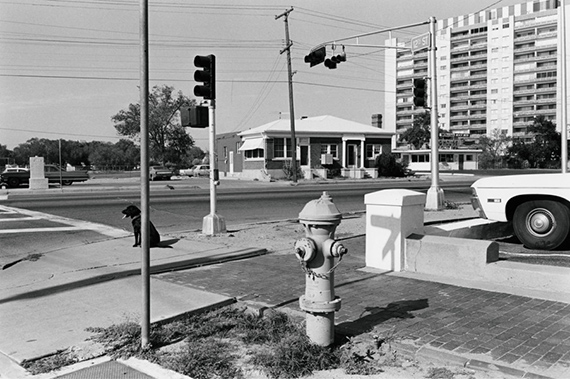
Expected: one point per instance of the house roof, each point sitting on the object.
(321, 125)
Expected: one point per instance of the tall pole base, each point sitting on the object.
(435, 199)
(213, 224)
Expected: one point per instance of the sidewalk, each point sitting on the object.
(98, 285)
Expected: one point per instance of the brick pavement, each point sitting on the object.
(528, 335)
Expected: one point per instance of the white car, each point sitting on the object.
(538, 206)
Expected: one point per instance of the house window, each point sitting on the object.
(238, 144)
(373, 150)
(446, 157)
(331, 149)
(254, 154)
(282, 147)
(420, 158)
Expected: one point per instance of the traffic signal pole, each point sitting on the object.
(435, 196)
(213, 223)
(145, 189)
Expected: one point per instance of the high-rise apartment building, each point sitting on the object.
(496, 69)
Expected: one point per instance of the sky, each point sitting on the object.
(68, 66)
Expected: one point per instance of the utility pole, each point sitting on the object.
(287, 48)
(145, 189)
(435, 197)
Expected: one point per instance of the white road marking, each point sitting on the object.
(73, 223)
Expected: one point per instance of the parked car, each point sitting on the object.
(185, 171)
(538, 205)
(159, 173)
(201, 170)
(53, 173)
(15, 169)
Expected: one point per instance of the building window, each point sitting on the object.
(446, 158)
(282, 147)
(373, 150)
(238, 144)
(420, 158)
(331, 149)
(468, 157)
(253, 154)
(225, 152)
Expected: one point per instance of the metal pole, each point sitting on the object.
(145, 242)
(291, 107)
(213, 223)
(434, 198)
(60, 167)
(563, 91)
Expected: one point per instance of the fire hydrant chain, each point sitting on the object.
(312, 274)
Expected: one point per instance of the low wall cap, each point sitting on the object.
(321, 210)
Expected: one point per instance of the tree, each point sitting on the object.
(168, 140)
(544, 149)
(494, 149)
(419, 135)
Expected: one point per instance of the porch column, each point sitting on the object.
(344, 153)
(362, 156)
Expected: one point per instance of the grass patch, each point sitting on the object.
(231, 342)
(50, 363)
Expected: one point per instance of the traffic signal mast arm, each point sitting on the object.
(318, 54)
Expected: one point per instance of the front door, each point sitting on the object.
(352, 155)
(305, 156)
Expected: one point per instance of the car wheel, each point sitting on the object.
(542, 224)
(13, 182)
(66, 182)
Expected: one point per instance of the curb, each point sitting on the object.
(438, 356)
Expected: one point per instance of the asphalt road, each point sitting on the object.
(184, 207)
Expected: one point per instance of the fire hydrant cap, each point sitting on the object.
(321, 210)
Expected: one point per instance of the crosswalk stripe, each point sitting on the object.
(73, 223)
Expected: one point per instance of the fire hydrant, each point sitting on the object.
(316, 253)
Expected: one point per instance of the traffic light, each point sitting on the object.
(316, 56)
(335, 59)
(207, 76)
(420, 92)
(194, 117)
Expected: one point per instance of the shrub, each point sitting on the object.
(388, 166)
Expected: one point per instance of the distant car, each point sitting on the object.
(15, 169)
(538, 206)
(201, 170)
(159, 173)
(185, 171)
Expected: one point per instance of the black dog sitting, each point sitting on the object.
(134, 212)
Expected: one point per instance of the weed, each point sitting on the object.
(450, 205)
(50, 363)
(227, 342)
(440, 373)
(203, 359)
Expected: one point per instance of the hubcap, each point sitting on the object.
(540, 222)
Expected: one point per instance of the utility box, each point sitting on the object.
(194, 117)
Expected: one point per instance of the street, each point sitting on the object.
(92, 212)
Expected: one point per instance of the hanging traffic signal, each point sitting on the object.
(420, 92)
(316, 56)
(207, 76)
(194, 117)
(335, 59)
